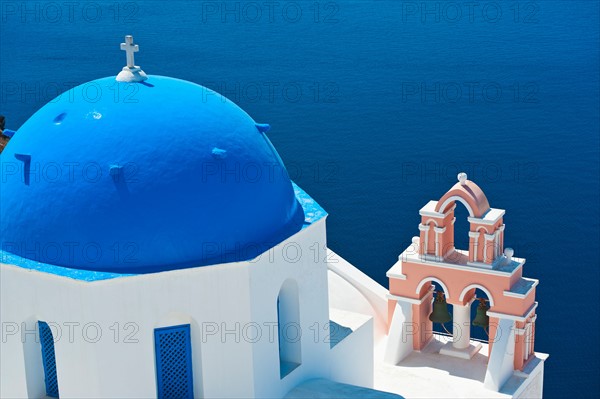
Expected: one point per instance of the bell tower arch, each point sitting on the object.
(486, 227)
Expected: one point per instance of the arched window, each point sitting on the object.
(288, 321)
(461, 227)
(173, 347)
(48, 359)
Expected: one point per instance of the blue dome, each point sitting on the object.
(143, 177)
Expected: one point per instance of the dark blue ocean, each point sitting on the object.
(375, 106)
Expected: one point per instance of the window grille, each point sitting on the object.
(49, 359)
(174, 362)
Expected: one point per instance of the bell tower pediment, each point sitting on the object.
(486, 232)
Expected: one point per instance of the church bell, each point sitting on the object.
(481, 318)
(440, 312)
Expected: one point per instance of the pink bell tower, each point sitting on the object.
(486, 265)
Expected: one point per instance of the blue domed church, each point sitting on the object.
(152, 245)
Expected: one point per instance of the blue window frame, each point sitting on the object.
(173, 348)
(48, 359)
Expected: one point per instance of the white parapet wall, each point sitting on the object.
(501, 360)
(352, 289)
(351, 359)
(400, 341)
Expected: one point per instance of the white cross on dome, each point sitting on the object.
(130, 49)
(131, 72)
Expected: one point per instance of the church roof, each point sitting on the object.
(141, 177)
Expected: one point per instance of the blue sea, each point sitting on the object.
(375, 106)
